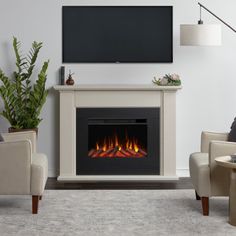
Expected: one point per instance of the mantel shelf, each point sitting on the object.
(116, 87)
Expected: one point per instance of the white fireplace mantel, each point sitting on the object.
(117, 95)
(116, 87)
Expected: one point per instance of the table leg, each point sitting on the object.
(232, 198)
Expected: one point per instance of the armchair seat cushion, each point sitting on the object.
(39, 173)
(200, 173)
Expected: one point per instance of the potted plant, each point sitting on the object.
(22, 96)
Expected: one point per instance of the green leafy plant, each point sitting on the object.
(22, 96)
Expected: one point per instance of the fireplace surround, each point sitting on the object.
(74, 99)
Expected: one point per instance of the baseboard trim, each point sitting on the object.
(180, 173)
(183, 172)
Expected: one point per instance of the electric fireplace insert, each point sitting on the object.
(117, 141)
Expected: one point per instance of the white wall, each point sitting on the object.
(206, 102)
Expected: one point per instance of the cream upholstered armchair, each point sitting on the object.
(22, 170)
(208, 178)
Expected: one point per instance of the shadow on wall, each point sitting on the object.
(7, 65)
(4, 125)
(8, 62)
(56, 124)
(55, 129)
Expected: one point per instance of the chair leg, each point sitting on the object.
(40, 197)
(205, 206)
(197, 196)
(35, 204)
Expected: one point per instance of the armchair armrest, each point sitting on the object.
(39, 173)
(25, 135)
(15, 167)
(207, 137)
(220, 176)
(220, 148)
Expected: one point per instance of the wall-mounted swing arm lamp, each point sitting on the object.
(202, 34)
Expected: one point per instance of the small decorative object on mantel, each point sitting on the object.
(168, 80)
(70, 80)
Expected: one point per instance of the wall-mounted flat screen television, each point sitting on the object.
(117, 34)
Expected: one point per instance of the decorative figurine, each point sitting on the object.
(168, 80)
(70, 80)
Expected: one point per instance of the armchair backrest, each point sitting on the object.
(25, 135)
(15, 167)
(207, 137)
(216, 145)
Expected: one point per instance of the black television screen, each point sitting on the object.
(117, 34)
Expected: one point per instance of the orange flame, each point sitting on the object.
(113, 146)
(104, 147)
(97, 146)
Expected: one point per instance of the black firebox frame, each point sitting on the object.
(149, 165)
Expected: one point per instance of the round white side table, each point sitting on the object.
(225, 162)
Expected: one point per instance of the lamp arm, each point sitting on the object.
(217, 17)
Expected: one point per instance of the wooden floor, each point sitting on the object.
(182, 183)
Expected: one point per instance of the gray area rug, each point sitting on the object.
(114, 212)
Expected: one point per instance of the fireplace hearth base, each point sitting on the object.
(117, 178)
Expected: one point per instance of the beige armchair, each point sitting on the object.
(208, 178)
(22, 170)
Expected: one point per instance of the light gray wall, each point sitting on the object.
(206, 102)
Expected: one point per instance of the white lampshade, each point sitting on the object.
(200, 35)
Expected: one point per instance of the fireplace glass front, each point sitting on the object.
(117, 138)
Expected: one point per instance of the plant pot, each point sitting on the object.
(12, 130)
